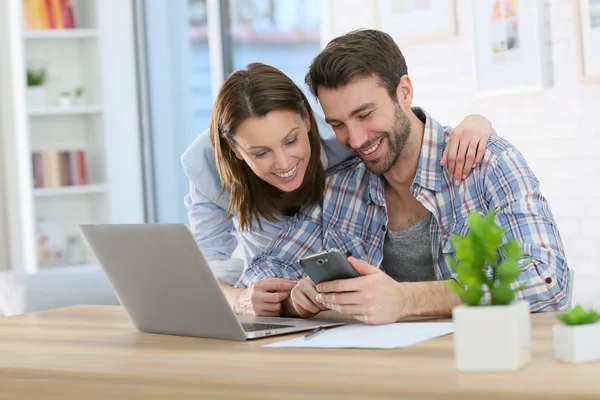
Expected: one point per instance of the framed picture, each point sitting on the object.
(417, 21)
(587, 26)
(511, 51)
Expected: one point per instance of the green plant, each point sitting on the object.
(578, 316)
(78, 91)
(36, 77)
(482, 262)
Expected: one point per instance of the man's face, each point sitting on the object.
(367, 121)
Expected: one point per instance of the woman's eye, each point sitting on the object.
(260, 155)
(291, 142)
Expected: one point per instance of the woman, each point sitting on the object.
(270, 161)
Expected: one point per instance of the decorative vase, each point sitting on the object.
(65, 101)
(492, 338)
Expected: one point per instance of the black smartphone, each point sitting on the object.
(328, 265)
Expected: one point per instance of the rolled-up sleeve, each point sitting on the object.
(513, 191)
(302, 235)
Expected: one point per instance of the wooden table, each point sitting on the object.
(87, 352)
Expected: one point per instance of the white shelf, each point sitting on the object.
(70, 190)
(53, 34)
(51, 267)
(58, 111)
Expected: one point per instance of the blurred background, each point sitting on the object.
(99, 99)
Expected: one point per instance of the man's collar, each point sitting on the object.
(429, 171)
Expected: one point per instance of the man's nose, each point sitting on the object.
(357, 137)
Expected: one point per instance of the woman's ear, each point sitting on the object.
(306, 119)
(235, 149)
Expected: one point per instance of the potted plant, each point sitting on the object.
(78, 98)
(36, 89)
(492, 329)
(65, 100)
(576, 340)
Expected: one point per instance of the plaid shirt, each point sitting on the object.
(353, 218)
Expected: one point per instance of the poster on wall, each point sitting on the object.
(417, 21)
(587, 24)
(510, 53)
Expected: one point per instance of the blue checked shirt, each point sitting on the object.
(353, 218)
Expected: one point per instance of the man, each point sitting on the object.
(396, 210)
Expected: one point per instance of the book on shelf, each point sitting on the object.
(48, 14)
(57, 168)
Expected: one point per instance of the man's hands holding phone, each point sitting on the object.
(372, 298)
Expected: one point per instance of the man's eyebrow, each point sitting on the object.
(357, 110)
(285, 139)
(361, 109)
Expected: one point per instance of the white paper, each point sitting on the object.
(359, 336)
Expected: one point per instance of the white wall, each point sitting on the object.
(558, 129)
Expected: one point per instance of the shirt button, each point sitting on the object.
(548, 280)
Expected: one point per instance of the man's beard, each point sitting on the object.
(396, 142)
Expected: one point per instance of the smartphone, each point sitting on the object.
(328, 265)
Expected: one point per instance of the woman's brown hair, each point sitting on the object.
(252, 93)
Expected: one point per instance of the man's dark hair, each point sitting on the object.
(358, 54)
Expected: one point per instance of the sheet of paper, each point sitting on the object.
(359, 336)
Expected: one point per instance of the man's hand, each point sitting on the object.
(374, 298)
(304, 299)
(263, 298)
(466, 146)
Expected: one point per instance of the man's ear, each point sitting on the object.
(404, 91)
(235, 149)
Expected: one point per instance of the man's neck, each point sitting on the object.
(400, 177)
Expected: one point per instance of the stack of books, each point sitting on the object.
(57, 168)
(48, 14)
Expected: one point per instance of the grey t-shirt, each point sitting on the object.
(407, 254)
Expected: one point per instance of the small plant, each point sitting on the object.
(578, 316)
(36, 77)
(483, 262)
(78, 91)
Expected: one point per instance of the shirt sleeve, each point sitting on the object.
(301, 236)
(513, 191)
(213, 230)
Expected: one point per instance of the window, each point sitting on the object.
(180, 70)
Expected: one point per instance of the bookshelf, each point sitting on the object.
(73, 158)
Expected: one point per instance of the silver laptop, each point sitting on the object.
(161, 278)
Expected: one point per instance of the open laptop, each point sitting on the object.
(161, 278)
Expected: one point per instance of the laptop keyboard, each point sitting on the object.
(255, 326)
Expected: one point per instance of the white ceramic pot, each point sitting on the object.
(576, 343)
(65, 101)
(492, 338)
(36, 97)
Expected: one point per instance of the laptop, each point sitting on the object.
(165, 285)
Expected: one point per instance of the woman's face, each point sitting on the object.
(275, 147)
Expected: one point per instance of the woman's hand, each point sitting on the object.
(264, 298)
(466, 146)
